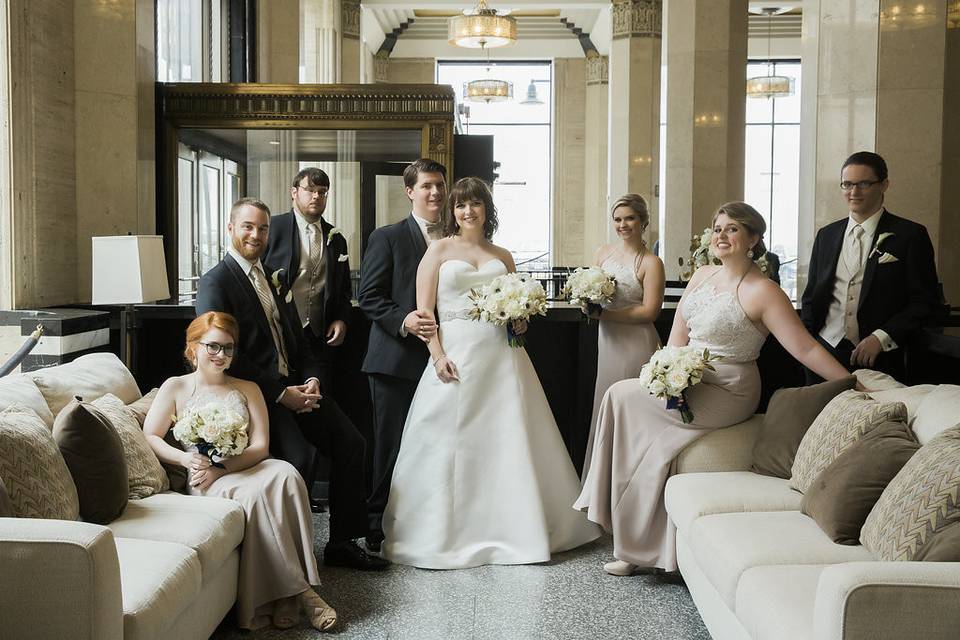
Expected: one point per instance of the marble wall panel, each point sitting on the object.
(596, 219)
(412, 70)
(568, 168)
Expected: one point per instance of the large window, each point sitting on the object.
(772, 176)
(193, 40)
(522, 145)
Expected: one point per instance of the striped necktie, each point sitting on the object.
(318, 280)
(269, 308)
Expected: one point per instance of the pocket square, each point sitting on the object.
(887, 257)
(344, 257)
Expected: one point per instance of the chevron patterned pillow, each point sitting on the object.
(145, 476)
(920, 502)
(37, 479)
(844, 420)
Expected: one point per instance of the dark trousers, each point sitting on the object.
(295, 437)
(889, 362)
(391, 398)
(321, 352)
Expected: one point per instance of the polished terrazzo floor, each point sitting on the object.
(569, 598)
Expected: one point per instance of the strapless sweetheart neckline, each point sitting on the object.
(470, 264)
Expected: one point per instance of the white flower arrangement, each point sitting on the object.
(275, 279)
(510, 297)
(673, 370)
(884, 256)
(334, 231)
(214, 429)
(589, 287)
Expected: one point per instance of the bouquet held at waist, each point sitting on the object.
(217, 431)
(673, 370)
(590, 287)
(508, 298)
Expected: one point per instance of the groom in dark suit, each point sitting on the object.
(271, 352)
(397, 352)
(872, 280)
(310, 256)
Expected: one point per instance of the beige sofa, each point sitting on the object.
(759, 568)
(167, 568)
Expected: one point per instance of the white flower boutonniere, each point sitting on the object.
(275, 279)
(876, 247)
(343, 257)
(334, 231)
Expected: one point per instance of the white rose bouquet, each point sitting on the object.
(589, 287)
(673, 370)
(510, 297)
(214, 429)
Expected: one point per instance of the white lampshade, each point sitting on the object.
(129, 270)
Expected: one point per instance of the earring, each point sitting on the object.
(750, 254)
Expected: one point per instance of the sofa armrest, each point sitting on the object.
(881, 600)
(727, 449)
(61, 579)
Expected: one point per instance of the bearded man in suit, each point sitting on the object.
(872, 281)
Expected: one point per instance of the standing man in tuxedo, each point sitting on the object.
(271, 352)
(397, 352)
(312, 264)
(872, 280)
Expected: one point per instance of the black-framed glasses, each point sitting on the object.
(846, 185)
(213, 348)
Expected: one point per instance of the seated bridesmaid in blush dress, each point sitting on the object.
(627, 337)
(728, 309)
(277, 567)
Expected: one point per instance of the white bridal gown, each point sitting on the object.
(482, 476)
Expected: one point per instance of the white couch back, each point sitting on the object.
(930, 408)
(49, 390)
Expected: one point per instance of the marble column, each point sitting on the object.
(350, 43)
(321, 41)
(381, 67)
(634, 103)
(278, 48)
(596, 220)
(885, 76)
(706, 46)
(569, 153)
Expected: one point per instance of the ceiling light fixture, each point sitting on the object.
(482, 28)
(770, 85)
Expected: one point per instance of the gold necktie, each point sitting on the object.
(269, 308)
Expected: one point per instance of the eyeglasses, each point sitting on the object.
(846, 185)
(320, 194)
(213, 348)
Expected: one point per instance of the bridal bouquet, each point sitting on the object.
(512, 296)
(673, 370)
(214, 429)
(589, 287)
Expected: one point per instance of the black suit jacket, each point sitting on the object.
(227, 288)
(896, 297)
(283, 252)
(388, 292)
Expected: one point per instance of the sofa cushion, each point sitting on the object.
(920, 502)
(911, 397)
(6, 508)
(89, 377)
(21, 391)
(144, 473)
(726, 545)
(873, 379)
(789, 414)
(94, 454)
(159, 580)
(939, 410)
(841, 497)
(213, 527)
(691, 495)
(841, 423)
(727, 449)
(176, 474)
(37, 479)
(777, 602)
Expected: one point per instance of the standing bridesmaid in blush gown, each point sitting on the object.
(728, 309)
(627, 337)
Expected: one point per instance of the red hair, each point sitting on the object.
(203, 323)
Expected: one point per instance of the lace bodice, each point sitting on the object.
(629, 290)
(455, 281)
(233, 400)
(717, 322)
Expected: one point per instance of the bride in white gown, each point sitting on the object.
(482, 476)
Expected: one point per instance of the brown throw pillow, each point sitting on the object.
(842, 496)
(6, 508)
(94, 454)
(789, 415)
(943, 547)
(176, 474)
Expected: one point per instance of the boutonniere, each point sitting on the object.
(334, 231)
(876, 247)
(343, 257)
(275, 280)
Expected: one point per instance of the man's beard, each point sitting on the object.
(249, 253)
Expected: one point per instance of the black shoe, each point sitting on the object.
(372, 544)
(349, 554)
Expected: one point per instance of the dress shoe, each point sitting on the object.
(620, 568)
(372, 544)
(349, 554)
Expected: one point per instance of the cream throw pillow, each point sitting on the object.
(842, 423)
(144, 473)
(36, 477)
(920, 502)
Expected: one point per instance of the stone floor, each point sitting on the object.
(570, 597)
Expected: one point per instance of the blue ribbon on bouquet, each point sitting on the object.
(681, 405)
(206, 449)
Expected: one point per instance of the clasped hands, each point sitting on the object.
(302, 398)
(202, 472)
